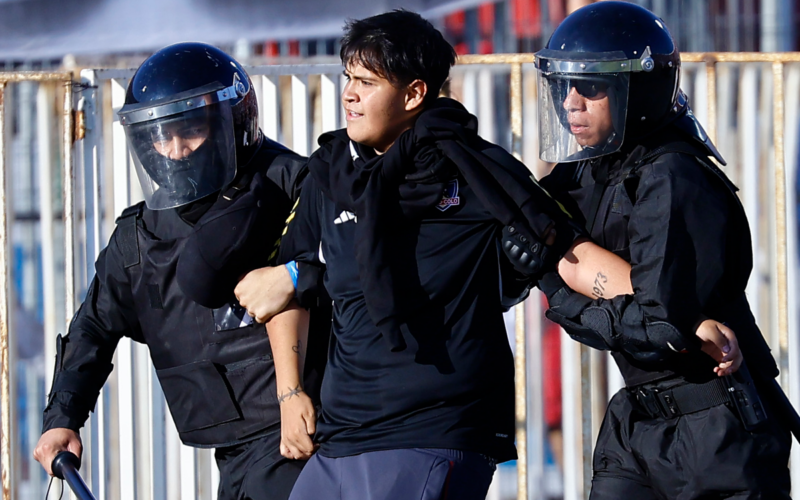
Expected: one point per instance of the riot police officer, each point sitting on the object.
(636, 164)
(191, 120)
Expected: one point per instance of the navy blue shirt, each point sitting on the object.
(453, 386)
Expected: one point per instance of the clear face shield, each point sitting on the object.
(184, 149)
(582, 107)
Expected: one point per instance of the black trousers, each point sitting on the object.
(256, 470)
(702, 455)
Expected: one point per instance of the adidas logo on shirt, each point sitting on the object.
(345, 216)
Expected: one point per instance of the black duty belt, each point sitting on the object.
(682, 399)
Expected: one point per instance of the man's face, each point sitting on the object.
(588, 112)
(377, 112)
(177, 140)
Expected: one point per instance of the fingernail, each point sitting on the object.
(726, 349)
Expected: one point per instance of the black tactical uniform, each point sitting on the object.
(650, 193)
(214, 363)
(687, 258)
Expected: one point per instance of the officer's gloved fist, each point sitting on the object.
(526, 253)
(657, 344)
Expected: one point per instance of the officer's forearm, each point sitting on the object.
(288, 333)
(594, 272)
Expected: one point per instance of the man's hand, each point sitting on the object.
(54, 441)
(265, 292)
(720, 343)
(298, 424)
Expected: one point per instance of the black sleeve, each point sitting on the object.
(288, 169)
(677, 234)
(239, 233)
(84, 358)
(302, 242)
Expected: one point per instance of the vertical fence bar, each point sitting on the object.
(330, 103)
(599, 390)
(269, 106)
(469, 93)
(300, 114)
(586, 417)
(520, 373)
(188, 473)
(571, 425)
(44, 129)
(126, 450)
(172, 452)
(780, 221)
(44, 119)
(792, 93)
(748, 144)
(5, 384)
(711, 92)
(69, 204)
(486, 108)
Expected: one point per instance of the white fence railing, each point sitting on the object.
(132, 450)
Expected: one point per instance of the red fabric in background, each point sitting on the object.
(551, 370)
(526, 18)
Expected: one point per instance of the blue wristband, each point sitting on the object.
(291, 266)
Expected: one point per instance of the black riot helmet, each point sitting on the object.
(190, 113)
(614, 50)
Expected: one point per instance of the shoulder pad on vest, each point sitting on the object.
(127, 239)
(132, 211)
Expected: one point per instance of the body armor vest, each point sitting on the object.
(214, 365)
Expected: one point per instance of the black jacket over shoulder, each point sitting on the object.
(214, 365)
(452, 386)
(676, 218)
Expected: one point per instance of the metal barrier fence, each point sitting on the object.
(748, 102)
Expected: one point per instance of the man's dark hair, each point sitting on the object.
(401, 47)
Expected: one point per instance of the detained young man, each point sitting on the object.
(404, 210)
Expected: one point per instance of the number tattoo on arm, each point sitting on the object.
(598, 290)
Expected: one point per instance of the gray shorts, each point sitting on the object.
(406, 474)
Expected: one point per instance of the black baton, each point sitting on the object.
(787, 412)
(65, 466)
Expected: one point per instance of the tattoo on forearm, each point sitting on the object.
(598, 290)
(296, 348)
(289, 395)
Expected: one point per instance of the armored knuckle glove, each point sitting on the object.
(530, 255)
(656, 344)
(526, 253)
(565, 306)
(576, 331)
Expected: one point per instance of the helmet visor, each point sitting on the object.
(185, 156)
(581, 115)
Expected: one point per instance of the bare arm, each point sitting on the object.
(599, 274)
(288, 334)
(595, 272)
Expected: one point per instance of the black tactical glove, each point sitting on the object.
(530, 255)
(653, 343)
(526, 253)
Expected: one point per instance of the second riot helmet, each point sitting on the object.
(609, 73)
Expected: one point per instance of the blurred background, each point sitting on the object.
(291, 50)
